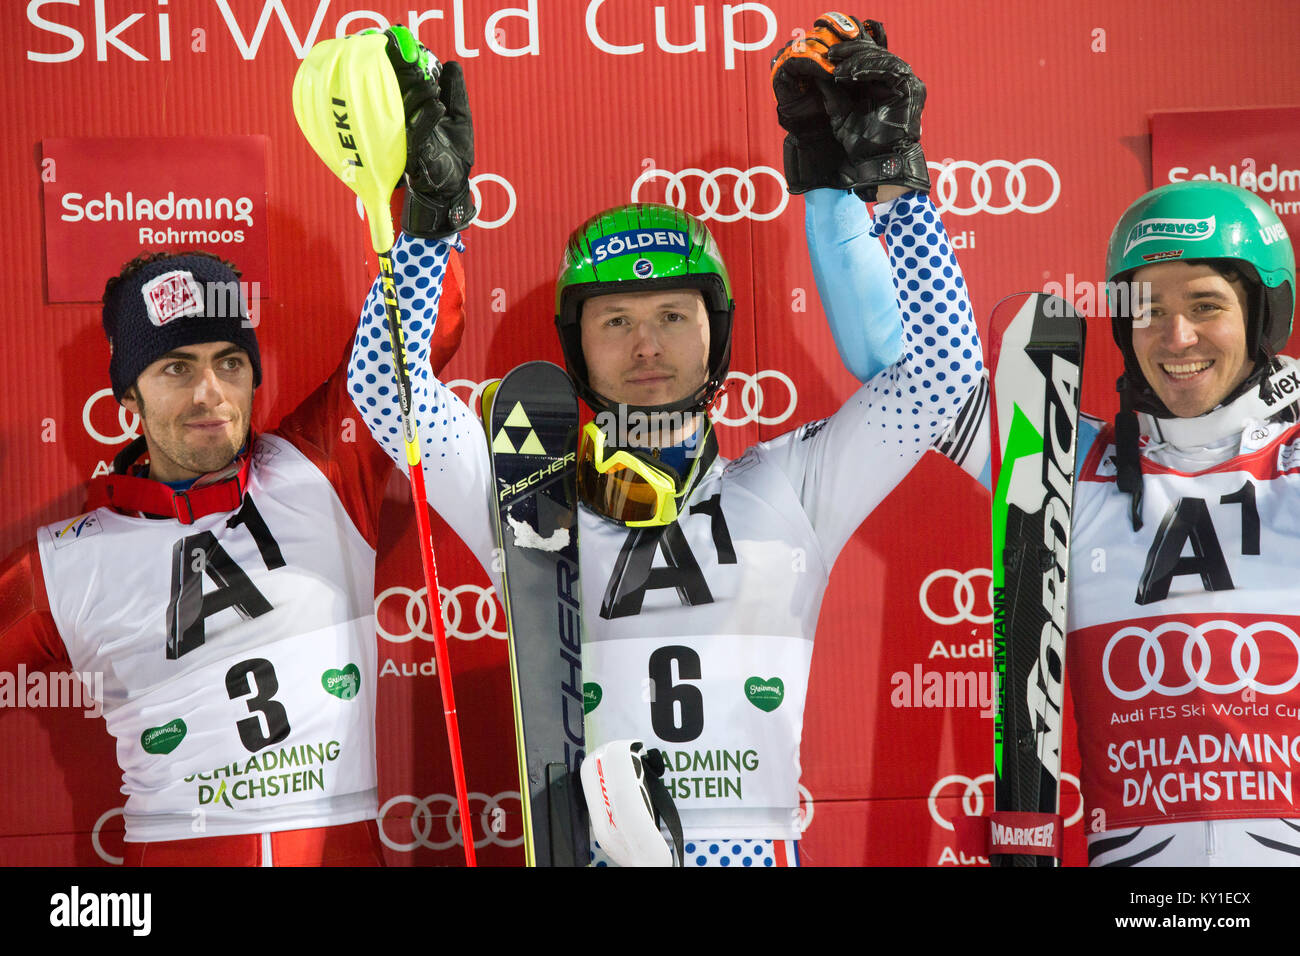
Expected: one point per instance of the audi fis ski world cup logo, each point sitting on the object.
(1217, 657)
(996, 186)
(1184, 230)
(711, 201)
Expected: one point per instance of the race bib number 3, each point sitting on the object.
(289, 723)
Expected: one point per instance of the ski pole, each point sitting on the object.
(349, 107)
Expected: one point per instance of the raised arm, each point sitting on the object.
(457, 471)
(853, 281)
(923, 352)
(426, 269)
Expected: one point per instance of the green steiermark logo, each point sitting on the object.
(591, 694)
(164, 739)
(765, 694)
(344, 683)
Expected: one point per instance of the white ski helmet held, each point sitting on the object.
(624, 816)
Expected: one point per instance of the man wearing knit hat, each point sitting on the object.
(222, 581)
(178, 332)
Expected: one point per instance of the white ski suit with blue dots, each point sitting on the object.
(699, 635)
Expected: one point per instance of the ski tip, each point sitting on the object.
(485, 402)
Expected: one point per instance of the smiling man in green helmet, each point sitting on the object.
(1183, 644)
(702, 578)
(1184, 636)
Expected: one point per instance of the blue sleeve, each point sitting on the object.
(1085, 434)
(845, 465)
(854, 281)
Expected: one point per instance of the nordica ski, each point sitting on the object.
(1037, 362)
(531, 417)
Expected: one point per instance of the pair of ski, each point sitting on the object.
(1036, 355)
(531, 420)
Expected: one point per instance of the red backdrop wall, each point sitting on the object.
(578, 105)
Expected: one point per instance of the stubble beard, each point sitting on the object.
(171, 447)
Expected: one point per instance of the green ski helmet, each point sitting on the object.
(1195, 222)
(642, 248)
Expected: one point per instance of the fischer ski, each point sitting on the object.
(531, 417)
(1037, 363)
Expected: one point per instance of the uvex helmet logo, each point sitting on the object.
(1149, 230)
(1286, 382)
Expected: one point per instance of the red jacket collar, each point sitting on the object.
(219, 491)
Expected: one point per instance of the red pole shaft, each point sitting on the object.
(415, 469)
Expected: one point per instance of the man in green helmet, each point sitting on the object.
(1184, 640)
(1183, 645)
(702, 578)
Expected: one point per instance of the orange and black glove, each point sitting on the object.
(874, 106)
(802, 77)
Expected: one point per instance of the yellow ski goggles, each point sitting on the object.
(626, 487)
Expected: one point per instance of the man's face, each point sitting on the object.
(646, 348)
(194, 404)
(1193, 348)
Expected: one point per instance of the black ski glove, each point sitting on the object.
(439, 139)
(874, 105)
(813, 156)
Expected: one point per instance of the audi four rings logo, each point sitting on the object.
(97, 843)
(744, 192)
(964, 188)
(806, 809)
(973, 796)
(453, 613)
(753, 398)
(477, 194)
(963, 599)
(475, 392)
(128, 422)
(1199, 656)
(432, 821)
